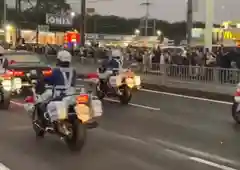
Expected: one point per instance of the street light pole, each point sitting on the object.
(209, 24)
(83, 22)
(189, 21)
(4, 12)
(18, 10)
(37, 29)
(146, 18)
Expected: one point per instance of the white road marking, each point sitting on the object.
(16, 103)
(3, 167)
(187, 97)
(135, 105)
(121, 136)
(176, 152)
(209, 163)
(194, 152)
(19, 128)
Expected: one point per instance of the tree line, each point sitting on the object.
(35, 15)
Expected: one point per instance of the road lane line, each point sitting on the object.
(209, 163)
(3, 167)
(135, 105)
(194, 152)
(186, 97)
(16, 103)
(175, 152)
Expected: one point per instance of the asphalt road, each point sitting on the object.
(154, 132)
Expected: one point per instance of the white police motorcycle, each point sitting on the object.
(113, 82)
(66, 115)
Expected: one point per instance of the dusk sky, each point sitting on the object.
(171, 10)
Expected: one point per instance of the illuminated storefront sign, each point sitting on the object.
(230, 35)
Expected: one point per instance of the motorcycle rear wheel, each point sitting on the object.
(5, 99)
(77, 139)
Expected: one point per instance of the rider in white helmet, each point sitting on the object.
(63, 79)
(63, 76)
(113, 61)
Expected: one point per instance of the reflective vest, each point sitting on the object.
(66, 88)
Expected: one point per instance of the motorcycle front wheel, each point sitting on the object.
(37, 123)
(5, 99)
(126, 95)
(77, 138)
(235, 113)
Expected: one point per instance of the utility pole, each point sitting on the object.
(154, 27)
(4, 13)
(209, 24)
(83, 22)
(37, 15)
(18, 10)
(189, 21)
(146, 18)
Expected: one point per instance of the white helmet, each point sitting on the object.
(64, 56)
(116, 53)
(2, 50)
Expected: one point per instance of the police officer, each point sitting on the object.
(63, 77)
(112, 61)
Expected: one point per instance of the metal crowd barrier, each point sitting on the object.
(190, 74)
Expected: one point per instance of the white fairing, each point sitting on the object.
(137, 80)
(97, 108)
(61, 106)
(237, 99)
(57, 110)
(115, 81)
(29, 107)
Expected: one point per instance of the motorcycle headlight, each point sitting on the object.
(7, 85)
(130, 82)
